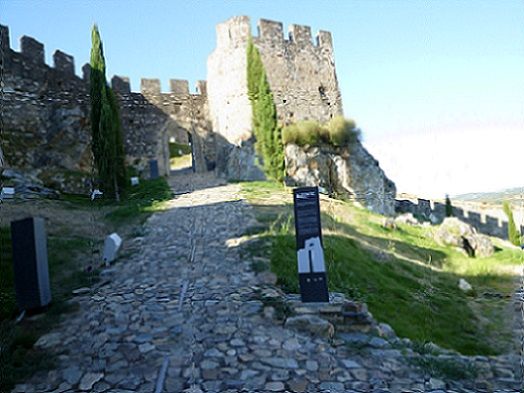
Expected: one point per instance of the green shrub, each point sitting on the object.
(342, 131)
(306, 132)
(290, 134)
(513, 232)
(337, 132)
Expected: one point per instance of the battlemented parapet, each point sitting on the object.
(153, 118)
(301, 75)
(480, 219)
(47, 124)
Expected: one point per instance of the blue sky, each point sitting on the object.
(436, 86)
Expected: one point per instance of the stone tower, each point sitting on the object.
(301, 75)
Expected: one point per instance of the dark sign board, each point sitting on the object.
(153, 169)
(29, 242)
(310, 254)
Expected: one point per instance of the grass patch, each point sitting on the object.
(180, 162)
(407, 280)
(141, 201)
(18, 358)
(178, 149)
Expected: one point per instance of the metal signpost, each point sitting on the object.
(310, 254)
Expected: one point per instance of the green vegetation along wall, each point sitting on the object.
(264, 116)
(107, 140)
(513, 233)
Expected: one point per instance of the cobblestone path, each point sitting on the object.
(185, 302)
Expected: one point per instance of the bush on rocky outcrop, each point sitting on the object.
(337, 132)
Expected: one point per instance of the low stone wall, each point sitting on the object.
(436, 212)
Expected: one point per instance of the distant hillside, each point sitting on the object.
(511, 194)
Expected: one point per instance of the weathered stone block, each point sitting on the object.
(64, 62)
(179, 86)
(270, 31)
(111, 246)
(300, 35)
(150, 86)
(86, 72)
(120, 84)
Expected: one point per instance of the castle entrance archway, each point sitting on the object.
(181, 152)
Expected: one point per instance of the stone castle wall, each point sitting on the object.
(46, 118)
(301, 75)
(492, 223)
(47, 125)
(151, 118)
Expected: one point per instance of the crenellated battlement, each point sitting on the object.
(237, 30)
(300, 35)
(301, 74)
(270, 31)
(300, 71)
(4, 37)
(178, 87)
(32, 55)
(120, 84)
(32, 49)
(64, 62)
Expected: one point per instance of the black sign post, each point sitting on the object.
(310, 254)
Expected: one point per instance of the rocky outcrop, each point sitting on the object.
(453, 232)
(349, 171)
(27, 185)
(238, 162)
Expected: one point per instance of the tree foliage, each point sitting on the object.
(513, 232)
(264, 116)
(106, 129)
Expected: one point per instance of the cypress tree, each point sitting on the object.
(107, 139)
(513, 233)
(449, 208)
(264, 116)
(119, 153)
(106, 146)
(96, 85)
